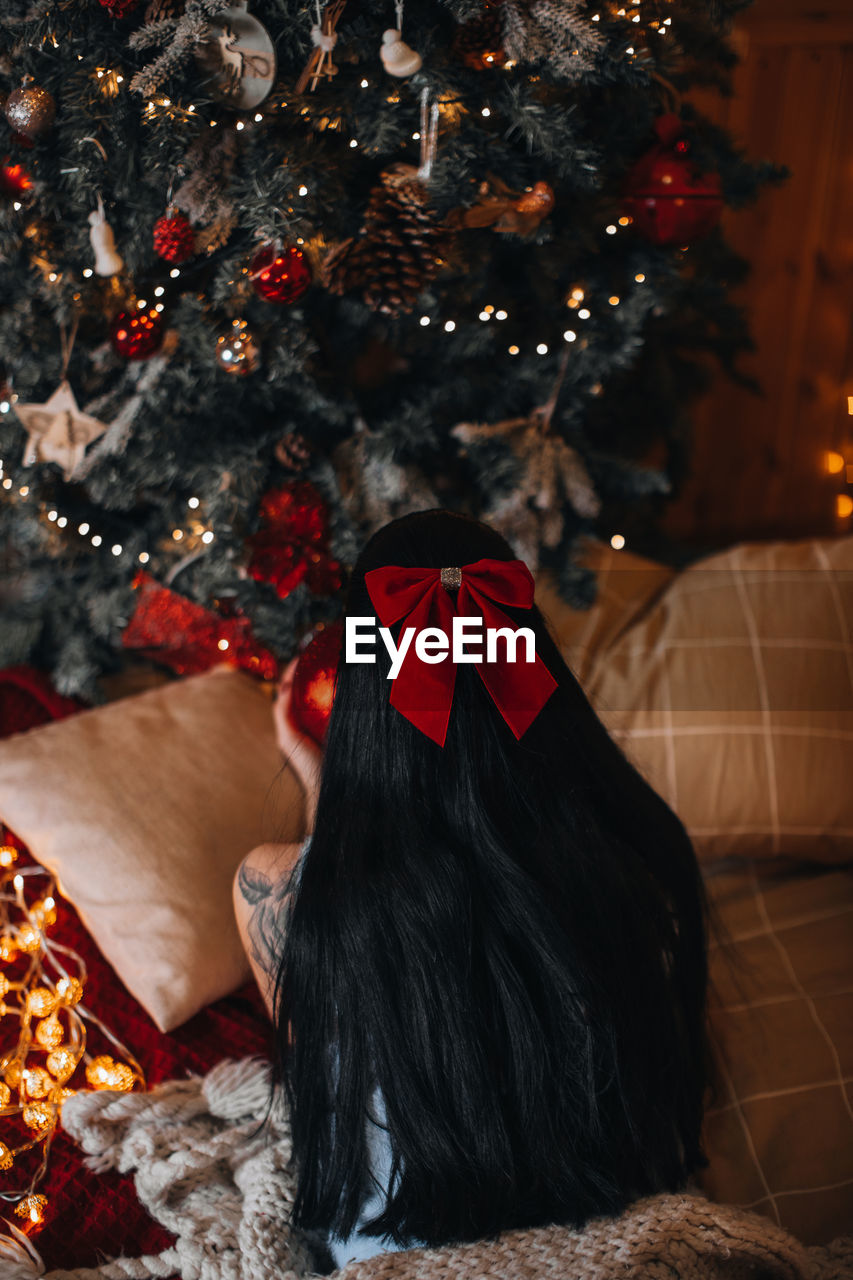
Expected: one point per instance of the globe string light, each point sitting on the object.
(43, 1032)
(193, 536)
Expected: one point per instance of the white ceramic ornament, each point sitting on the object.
(237, 57)
(107, 258)
(397, 58)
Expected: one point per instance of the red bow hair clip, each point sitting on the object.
(423, 691)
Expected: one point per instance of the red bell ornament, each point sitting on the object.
(136, 335)
(313, 689)
(667, 196)
(280, 274)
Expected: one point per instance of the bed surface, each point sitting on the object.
(779, 1132)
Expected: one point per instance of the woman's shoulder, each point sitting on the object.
(268, 866)
(262, 885)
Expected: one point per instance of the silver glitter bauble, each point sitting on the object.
(30, 110)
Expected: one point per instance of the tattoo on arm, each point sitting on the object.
(268, 899)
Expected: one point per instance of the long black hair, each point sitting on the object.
(507, 936)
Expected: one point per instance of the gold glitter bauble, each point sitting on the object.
(4, 984)
(6, 1158)
(40, 1002)
(61, 1063)
(5, 1094)
(105, 1073)
(30, 110)
(236, 351)
(39, 1116)
(49, 1032)
(58, 1094)
(12, 1073)
(37, 1082)
(69, 990)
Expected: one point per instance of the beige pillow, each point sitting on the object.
(626, 586)
(733, 694)
(143, 809)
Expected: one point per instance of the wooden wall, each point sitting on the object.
(760, 465)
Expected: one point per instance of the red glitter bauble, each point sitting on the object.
(119, 8)
(669, 199)
(290, 547)
(313, 690)
(136, 335)
(297, 511)
(280, 275)
(14, 179)
(174, 238)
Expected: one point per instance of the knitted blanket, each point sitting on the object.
(207, 1169)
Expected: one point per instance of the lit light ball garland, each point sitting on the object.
(38, 1061)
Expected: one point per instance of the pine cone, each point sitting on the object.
(293, 451)
(398, 251)
(159, 9)
(479, 43)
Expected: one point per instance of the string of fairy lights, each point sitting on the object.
(110, 81)
(42, 983)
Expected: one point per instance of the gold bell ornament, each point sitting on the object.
(397, 58)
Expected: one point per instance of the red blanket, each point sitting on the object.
(91, 1217)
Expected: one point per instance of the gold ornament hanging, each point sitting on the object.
(30, 110)
(236, 351)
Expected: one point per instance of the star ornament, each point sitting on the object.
(58, 431)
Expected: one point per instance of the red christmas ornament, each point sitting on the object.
(174, 238)
(291, 545)
(119, 8)
(313, 690)
(188, 638)
(14, 179)
(136, 335)
(280, 275)
(669, 199)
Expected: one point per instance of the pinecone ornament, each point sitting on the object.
(293, 451)
(174, 238)
(479, 43)
(157, 10)
(398, 251)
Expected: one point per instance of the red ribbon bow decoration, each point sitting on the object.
(423, 692)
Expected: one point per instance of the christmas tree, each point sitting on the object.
(269, 277)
